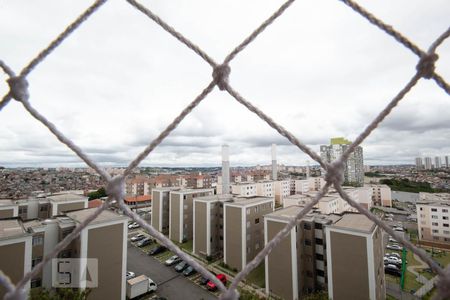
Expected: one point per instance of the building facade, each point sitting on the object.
(160, 209)
(244, 229)
(354, 165)
(433, 219)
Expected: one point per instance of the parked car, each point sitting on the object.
(212, 286)
(172, 260)
(138, 237)
(133, 225)
(393, 254)
(392, 260)
(392, 240)
(394, 247)
(203, 280)
(157, 250)
(397, 228)
(189, 271)
(393, 270)
(181, 266)
(144, 242)
(130, 275)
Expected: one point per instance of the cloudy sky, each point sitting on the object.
(320, 70)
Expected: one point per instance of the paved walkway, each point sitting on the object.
(428, 284)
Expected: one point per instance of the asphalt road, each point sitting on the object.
(171, 284)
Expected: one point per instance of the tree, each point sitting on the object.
(59, 294)
(101, 192)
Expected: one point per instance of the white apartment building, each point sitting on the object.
(428, 163)
(282, 190)
(381, 194)
(433, 219)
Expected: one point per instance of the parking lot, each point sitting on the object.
(171, 285)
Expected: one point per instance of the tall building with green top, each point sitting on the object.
(354, 166)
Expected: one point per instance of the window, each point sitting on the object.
(421, 208)
(307, 226)
(320, 273)
(248, 224)
(248, 237)
(435, 224)
(435, 231)
(444, 217)
(23, 210)
(38, 240)
(446, 232)
(434, 217)
(445, 224)
(257, 246)
(36, 283)
(35, 261)
(319, 242)
(434, 209)
(185, 206)
(256, 209)
(43, 208)
(257, 221)
(422, 216)
(318, 226)
(248, 211)
(319, 256)
(307, 242)
(444, 210)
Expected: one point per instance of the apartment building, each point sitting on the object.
(355, 241)
(428, 163)
(160, 208)
(15, 251)
(42, 208)
(419, 163)
(139, 185)
(282, 190)
(437, 162)
(381, 195)
(208, 225)
(296, 266)
(433, 219)
(354, 165)
(108, 231)
(263, 188)
(181, 212)
(244, 229)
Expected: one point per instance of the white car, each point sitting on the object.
(393, 254)
(130, 275)
(394, 247)
(393, 260)
(172, 260)
(138, 237)
(133, 225)
(396, 228)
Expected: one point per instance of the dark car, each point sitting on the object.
(157, 250)
(144, 242)
(212, 286)
(181, 266)
(189, 271)
(392, 270)
(203, 280)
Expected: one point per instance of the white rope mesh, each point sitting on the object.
(334, 171)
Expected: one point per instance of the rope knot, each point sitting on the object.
(425, 67)
(443, 284)
(335, 172)
(220, 75)
(18, 86)
(116, 187)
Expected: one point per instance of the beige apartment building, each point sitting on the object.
(381, 194)
(308, 260)
(208, 225)
(433, 219)
(297, 266)
(15, 251)
(282, 190)
(108, 231)
(355, 265)
(181, 212)
(160, 208)
(244, 229)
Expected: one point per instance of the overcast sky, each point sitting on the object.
(320, 70)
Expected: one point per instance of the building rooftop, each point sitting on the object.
(66, 197)
(140, 198)
(165, 189)
(6, 202)
(10, 228)
(290, 212)
(244, 201)
(214, 198)
(105, 216)
(193, 191)
(355, 222)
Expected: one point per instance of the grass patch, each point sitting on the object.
(410, 258)
(411, 283)
(257, 276)
(389, 297)
(442, 257)
(426, 274)
(430, 295)
(186, 246)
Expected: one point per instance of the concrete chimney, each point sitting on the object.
(225, 170)
(274, 162)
